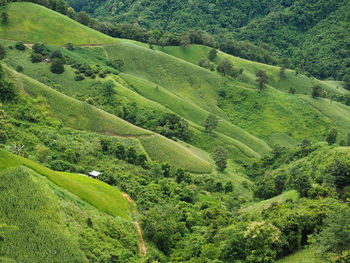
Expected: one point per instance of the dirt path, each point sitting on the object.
(142, 244)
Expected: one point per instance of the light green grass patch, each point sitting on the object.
(33, 23)
(256, 208)
(306, 255)
(101, 195)
(165, 150)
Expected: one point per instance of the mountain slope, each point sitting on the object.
(34, 23)
(306, 32)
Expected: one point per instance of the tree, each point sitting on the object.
(57, 66)
(40, 48)
(285, 64)
(335, 237)
(300, 182)
(262, 79)
(108, 89)
(292, 91)
(7, 89)
(4, 17)
(20, 46)
(317, 91)
(332, 137)
(185, 41)
(220, 158)
(2, 52)
(70, 46)
(226, 67)
(35, 58)
(83, 18)
(211, 123)
(213, 54)
(348, 141)
(56, 54)
(204, 63)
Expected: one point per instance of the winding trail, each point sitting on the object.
(142, 244)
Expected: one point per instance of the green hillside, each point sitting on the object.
(313, 35)
(33, 23)
(97, 193)
(196, 165)
(41, 222)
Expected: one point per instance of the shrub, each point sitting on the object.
(70, 46)
(79, 77)
(2, 52)
(57, 66)
(3, 137)
(40, 48)
(35, 58)
(56, 54)
(20, 46)
(19, 69)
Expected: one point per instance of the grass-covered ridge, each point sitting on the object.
(97, 193)
(33, 23)
(82, 116)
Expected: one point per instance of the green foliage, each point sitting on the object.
(4, 18)
(2, 52)
(7, 89)
(335, 237)
(70, 46)
(40, 48)
(211, 123)
(332, 137)
(262, 79)
(220, 158)
(20, 46)
(213, 54)
(57, 66)
(317, 91)
(36, 58)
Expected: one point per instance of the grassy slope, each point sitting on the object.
(307, 255)
(33, 23)
(301, 83)
(99, 194)
(181, 87)
(86, 117)
(281, 118)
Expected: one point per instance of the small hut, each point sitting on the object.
(94, 174)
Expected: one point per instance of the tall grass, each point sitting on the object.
(99, 194)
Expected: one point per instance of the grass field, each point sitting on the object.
(99, 194)
(301, 83)
(306, 255)
(165, 150)
(33, 23)
(256, 208)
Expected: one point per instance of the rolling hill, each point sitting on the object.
(139, 114)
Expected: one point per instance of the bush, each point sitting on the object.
(35, 58)
(56, 54)
(2, 52)
(19, 69)
(59, 165)
(3, 137)
(79, 77)
(70, 46)
(40, 48)
(20, 46)
(57, 66)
